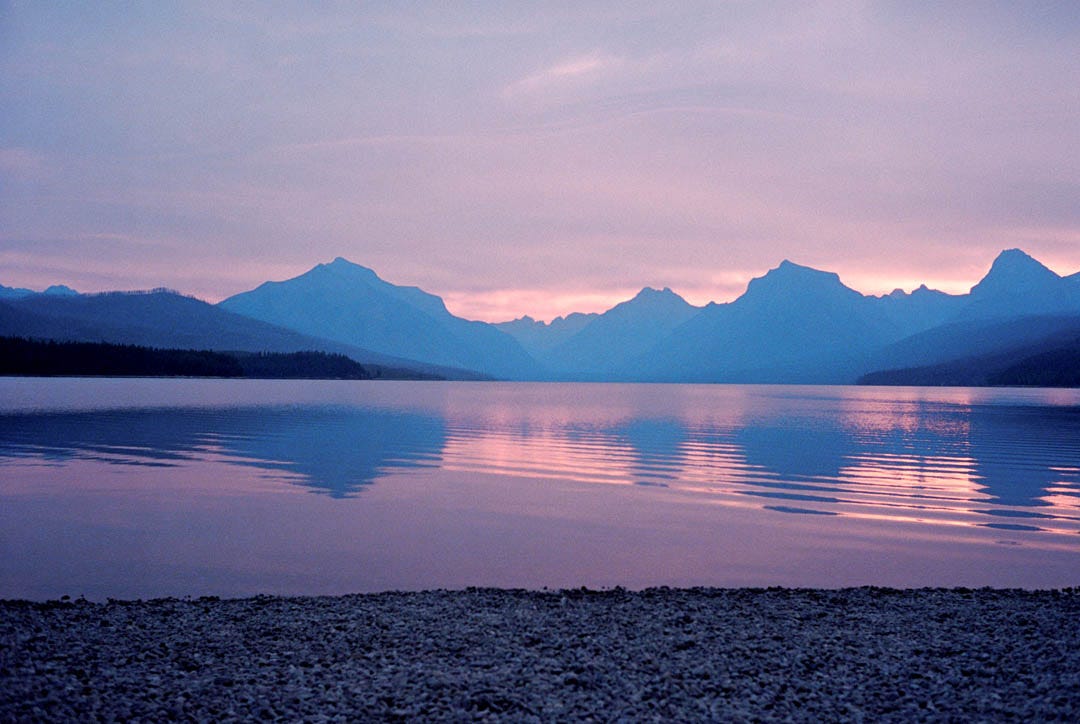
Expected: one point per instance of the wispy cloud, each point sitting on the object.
(570, 148)
(574, 71)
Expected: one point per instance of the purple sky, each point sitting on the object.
(536, 158)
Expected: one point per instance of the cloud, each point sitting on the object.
(574, 72)
(576, 149)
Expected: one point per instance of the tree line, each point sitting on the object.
(48, 358)
(1056, 367)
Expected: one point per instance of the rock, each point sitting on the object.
(689, 654)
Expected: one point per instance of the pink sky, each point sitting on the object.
(518, 159)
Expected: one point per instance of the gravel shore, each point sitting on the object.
(660, 654)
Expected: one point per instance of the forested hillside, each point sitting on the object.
(43, 358)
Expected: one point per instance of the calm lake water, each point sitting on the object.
(151, 487)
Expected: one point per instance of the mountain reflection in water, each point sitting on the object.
(930, 458)
(332, 450)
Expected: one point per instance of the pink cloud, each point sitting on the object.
(568, 73)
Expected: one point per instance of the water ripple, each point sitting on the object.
(960, 471)
(843, 452)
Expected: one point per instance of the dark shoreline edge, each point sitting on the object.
(31, 357)
(662, 653)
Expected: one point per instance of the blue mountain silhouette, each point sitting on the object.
(165, 319)
(538, 337)
(795, 324)
(21, 293)
(348, 303)
(798, 324)
(609, 341)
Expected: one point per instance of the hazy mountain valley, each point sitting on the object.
(792, 325)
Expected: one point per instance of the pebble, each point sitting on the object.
(868, 654)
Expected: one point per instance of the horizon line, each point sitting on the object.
(697, 298)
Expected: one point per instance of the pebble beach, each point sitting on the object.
(863, 654)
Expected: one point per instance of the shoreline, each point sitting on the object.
(698, 653)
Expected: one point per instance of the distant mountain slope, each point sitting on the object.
(798, 324)
(93, 359)
(17, 320)
(19, 293)
(349, 303)
(608, 342)
(60, 290)
(794, 324)
(1057, 367)
(168, 320)
(538, 337)
(14, 292)
(970, 338)
(1018, 285)
(920, 310)
(1048, 360)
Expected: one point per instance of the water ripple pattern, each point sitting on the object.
(1006, 461)
(1004, 467)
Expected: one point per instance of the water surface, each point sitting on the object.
(148, 487)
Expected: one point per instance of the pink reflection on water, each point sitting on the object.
(928, 490)
(538, 485)
(544, 455)
(213, 528)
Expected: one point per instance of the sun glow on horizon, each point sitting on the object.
(504, 305)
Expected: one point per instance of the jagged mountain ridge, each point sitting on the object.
(611, 340)
(923, 308)
(349, 303)
(537, 337)
(793, 324)
(58, 290)
(166, 319)
(1018, 283)
(1043, 351)
(797, 324)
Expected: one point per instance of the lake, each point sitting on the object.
(131, 488)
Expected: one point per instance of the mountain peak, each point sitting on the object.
(791, 279)
(789, 269)
(1015, 255)
(1017, 260)
(1015, 271)
(345, 269)
(341, 262)
(348, 303)
(652, 293)
(651, 301)
(925, 292)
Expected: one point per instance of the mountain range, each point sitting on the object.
(165, 319)
(350, 304)
(794, 324)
